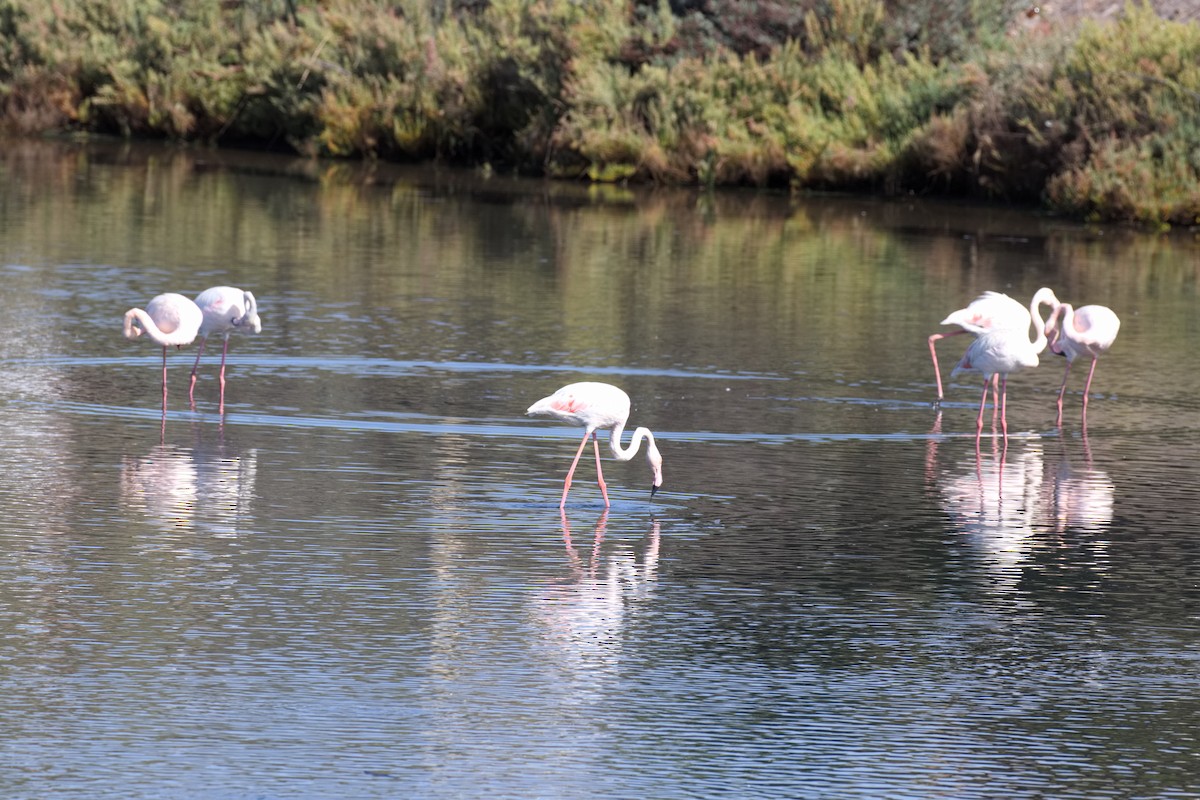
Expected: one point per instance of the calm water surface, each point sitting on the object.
(357, 582)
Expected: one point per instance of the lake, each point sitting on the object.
(357, 582)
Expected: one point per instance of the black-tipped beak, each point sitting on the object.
(653, 490)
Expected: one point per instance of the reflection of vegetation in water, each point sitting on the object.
(1099, 121)
(672, 268)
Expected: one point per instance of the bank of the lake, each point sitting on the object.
(1092, 119)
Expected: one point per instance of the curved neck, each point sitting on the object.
(1039, 324)
(138, 322)
(1066, 320)
(624, 454)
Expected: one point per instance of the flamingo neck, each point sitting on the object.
(635, 444)
(1039, 324)
(137, 322)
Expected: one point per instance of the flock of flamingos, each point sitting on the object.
(999, 323)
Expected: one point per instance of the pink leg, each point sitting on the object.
(192, 388)
(937, 372)
(1087, 388)
(1004, 407)
(224, 350)
(164, 382)
(987, 382)
(571, 472)
(995, 397)
(1062, 390)
(599, 471)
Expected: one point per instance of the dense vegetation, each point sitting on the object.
(926, 96)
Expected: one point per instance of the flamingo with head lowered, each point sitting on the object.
(1002, 351)
(225, 310)
(171, 320)
(596, 406)
(1088, 330)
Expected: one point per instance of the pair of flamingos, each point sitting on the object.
(173, 320)
(1002, 346)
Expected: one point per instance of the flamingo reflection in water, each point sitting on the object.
(584, 616)
(186, 490)
(1011, 505)
(1083, 494)
(995, 503)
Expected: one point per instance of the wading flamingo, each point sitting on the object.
(1088, 330)
(988, 311)
(1002, 351)
(596, 406)
(171, 320)
(225, 310)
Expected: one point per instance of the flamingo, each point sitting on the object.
(988, 311)
(226, 310)
(171, 320)
(596, 406)
(1089, 330)
(1002, 351)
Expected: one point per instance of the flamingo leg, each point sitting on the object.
(937, 372)
(987, 382)
(224, 350)
(995, 397)
(1088, 387)
(1062, 391)
(571, 472)
(164, 382)
(192, 388)
(599, 470)
(1004, 407)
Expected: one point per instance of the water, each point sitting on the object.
(357, 582)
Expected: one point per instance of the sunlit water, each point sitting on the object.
(357, 582)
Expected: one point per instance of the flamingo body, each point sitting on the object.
(598, 406)
(989, 310)
(1003, 351)
(1074, 332)
(170, 320)
(225, 310)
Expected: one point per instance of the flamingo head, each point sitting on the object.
(655, 459)
(133, 326)
(249, 321)
(1054, 333)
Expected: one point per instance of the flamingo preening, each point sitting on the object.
(989, 310)
(1004, 350)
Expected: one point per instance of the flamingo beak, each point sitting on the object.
(653, 490)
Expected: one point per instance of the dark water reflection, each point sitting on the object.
(357, 582)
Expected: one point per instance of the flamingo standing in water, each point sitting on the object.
(225, 310)
(989, 311)
(1002, 351)
(171, 320)
(1089, 330)
(595, 406)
